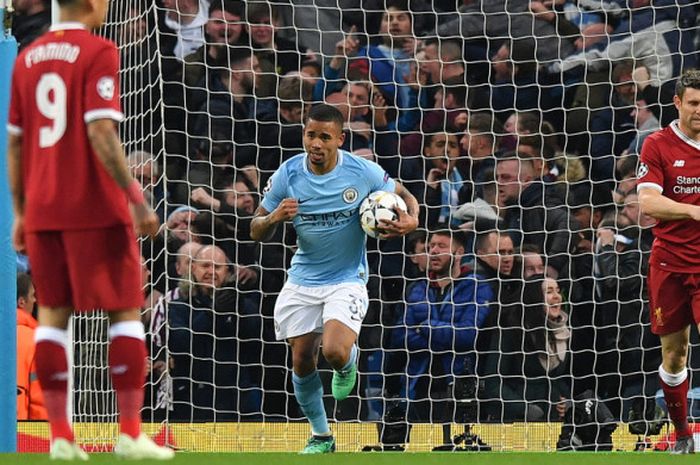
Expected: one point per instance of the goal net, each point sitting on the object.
(517, 126)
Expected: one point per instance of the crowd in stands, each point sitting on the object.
(516, 124)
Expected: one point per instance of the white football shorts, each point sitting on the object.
(301, 310)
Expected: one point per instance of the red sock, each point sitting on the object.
(127, 361)
(52, 370)
(677, 402)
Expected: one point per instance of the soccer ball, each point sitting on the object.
(379, 205)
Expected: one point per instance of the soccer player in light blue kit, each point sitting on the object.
(325, 298)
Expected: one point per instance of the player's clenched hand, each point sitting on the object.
(145, 220)
(18, 234)
(285, 211)
(400, 227)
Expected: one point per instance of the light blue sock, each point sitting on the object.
(351, 360)
(309, 393)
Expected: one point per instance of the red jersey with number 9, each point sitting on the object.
(64, 80)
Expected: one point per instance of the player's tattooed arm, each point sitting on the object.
(264, 223)
(105, 141)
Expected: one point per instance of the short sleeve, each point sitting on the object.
(102, 87)
(379, 180)
(650, 173)
(15, 120)
(276, 189)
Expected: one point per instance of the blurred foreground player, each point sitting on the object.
(70, 186)
(669, 191)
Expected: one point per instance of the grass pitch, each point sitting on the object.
(389, 458)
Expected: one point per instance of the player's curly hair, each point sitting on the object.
(689, 78)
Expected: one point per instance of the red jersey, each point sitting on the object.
(64, 80)
(670, 163)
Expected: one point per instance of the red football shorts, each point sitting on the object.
(86, 269)
(674, 300)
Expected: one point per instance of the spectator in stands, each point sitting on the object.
(532, 357)
(30, 400)
(281, 138)
(446, 185)
(439, 332)
(634, 214)
(387, 64)
(627, 352)
(146, 171)
(31, 18)
(645, 122)
(442, 61)
(613, 128)
(178, 225)
(277, 56)
(186, 20)
(641, 37)
(622, 319)
(417, 253)
(229, 112)
(224, 29)
(502, 18)
(627, 178)
(532, 261)
(529, 215)
(514, 80)
(204, 322)
(232, 205)
(659, 98)
(481, 143)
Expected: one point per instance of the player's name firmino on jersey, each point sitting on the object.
(53, 51)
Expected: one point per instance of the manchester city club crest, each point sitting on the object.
(350, 195)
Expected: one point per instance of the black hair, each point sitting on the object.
(24, 283)
(234, 7)
(326, 114)
(443, 229)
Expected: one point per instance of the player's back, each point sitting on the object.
(66, 79)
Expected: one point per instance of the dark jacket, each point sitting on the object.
(201, 343)
(542, 220)
(439, 327)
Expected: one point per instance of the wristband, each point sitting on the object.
(134, 193)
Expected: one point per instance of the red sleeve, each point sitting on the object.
(650, 173)
(102, 86)
(14, 122)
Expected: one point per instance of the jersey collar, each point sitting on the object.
(68, 25)
(682, 136)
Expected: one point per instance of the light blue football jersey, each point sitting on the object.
(331, 245)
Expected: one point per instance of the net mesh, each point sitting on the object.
(517, 123)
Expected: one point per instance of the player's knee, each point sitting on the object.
(675, 357)
(303, 363)
(336, 355)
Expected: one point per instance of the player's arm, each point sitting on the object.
(407, 221)
(264, 223)
(655, 204)
(105, 141)
(14, 168)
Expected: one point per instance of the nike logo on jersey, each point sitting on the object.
(303, 201)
